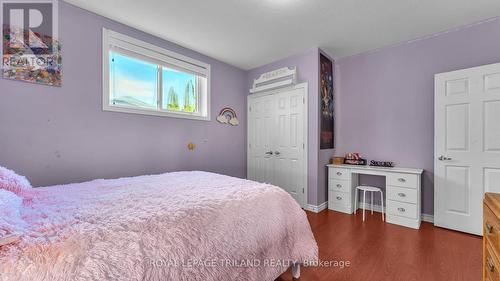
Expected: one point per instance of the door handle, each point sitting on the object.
(269, 153)
(444, 158)
(277, 153)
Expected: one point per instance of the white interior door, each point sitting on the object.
(260, 136)
(467, 145)
(289, 145)
(277, 135)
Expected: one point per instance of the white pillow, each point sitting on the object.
(10, 213)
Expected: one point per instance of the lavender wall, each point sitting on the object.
(307, 70)
(386, 97)
(60, 135)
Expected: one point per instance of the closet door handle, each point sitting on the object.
(444, 158)
(277, 153)
(269, 153)
(401, 194)
(402, 210)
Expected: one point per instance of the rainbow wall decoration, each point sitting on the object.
(228, 116)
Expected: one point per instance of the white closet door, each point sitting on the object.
(277, 134)
(289, 143)
(467, 145)
(260, 136)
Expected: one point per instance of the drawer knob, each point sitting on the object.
(489, 228)
(490, 265)
(339, 185)
(401, 194)
(339, 198)
(401, 180)
(339, 173)
(402, 210)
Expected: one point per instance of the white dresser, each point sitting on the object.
(402, 196)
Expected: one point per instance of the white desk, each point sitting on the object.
(402, 196)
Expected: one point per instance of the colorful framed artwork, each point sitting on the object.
(327, 118)
(31, 50)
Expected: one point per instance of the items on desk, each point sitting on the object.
(387, 164)
(354, 159)
(337, 160)
(352, 156)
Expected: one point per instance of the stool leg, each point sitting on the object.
(382, 203)
(355, 200)
(364, 203)
(372, 201)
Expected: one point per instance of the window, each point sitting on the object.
(142, 78)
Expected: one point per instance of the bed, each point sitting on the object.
(174, 226)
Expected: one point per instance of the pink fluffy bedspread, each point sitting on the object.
(173, 226)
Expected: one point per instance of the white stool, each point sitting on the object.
(371, 189)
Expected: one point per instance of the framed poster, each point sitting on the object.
(327, 103)
(31, 50)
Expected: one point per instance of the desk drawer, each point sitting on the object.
(402, 194)
(339, 174)
(491, 267)
(491, 228)
(339, 185)
(403, 180)
(342, 198)
(402, 209)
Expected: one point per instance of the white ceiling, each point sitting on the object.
(250, 33)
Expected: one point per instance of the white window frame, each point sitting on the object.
(135, 48)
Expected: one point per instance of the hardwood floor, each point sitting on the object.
(380, 251)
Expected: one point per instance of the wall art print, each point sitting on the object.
(31, 50)
(327, 140)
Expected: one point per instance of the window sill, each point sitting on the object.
(155, 113)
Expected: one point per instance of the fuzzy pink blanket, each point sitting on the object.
(173, 226)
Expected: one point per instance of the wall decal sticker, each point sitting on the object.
(228, 116)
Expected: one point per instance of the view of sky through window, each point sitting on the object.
(133, 82)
